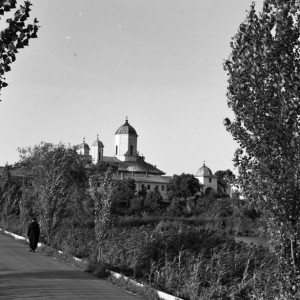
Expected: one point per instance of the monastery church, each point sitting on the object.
(128, 161)
(132, 165)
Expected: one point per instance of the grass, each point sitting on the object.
(180, 257)
(144, 292)
(192, 263)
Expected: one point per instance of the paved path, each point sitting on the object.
(27, 275)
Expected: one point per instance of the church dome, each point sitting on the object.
(98, 143)
(204, 171)
(126, 129)
(84, 145)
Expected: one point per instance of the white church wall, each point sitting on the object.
(123, 142)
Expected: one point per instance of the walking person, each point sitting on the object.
(33, 234)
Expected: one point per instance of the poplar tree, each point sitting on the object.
(63, 176)
(263, 93)
(103, 199)
(16, 35)
(59, 182)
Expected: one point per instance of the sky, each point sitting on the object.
(158, 62)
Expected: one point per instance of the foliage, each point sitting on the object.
(28, 207)
(263, 92)
(10, 194)
(124, 191)
(193, 264)
(62, 175)
(226, 175)
(104, 218)
(59, 183)
(175, 209)
(142, 193)
(152, 200)
(183, 186)
(15, 36)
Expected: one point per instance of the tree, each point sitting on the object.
(15, 36)
(263, 92)
(152, 200)
(183, 186)
(124, 191)
(226, 175)
(59, 179)
(104, 219)
(10, 194)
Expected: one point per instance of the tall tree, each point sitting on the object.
(102, 198)
(64, 174)
(59, 180)
(16, 35)
(263, 92)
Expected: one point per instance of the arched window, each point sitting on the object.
(116, 149)
(131, 150)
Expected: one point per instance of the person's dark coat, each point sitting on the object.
(33, 234)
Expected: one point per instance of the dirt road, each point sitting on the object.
(27, 275)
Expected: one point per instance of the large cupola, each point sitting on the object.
(126, 142)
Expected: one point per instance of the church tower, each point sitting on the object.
(126, 143)
(97, 151)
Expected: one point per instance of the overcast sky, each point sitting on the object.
(159, 62)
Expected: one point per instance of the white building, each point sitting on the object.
(212, 183)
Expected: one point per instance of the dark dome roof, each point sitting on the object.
(97, 142)
(84, 146)
(126, 129)
(204, 171)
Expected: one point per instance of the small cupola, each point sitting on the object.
(84, 148)
(97, 151)
(204, 171)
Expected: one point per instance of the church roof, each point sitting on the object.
(204, 171)
(139, 166)
(98, 143)
(143, 178)
(84, 145)
(126, 128)
(111, 159)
